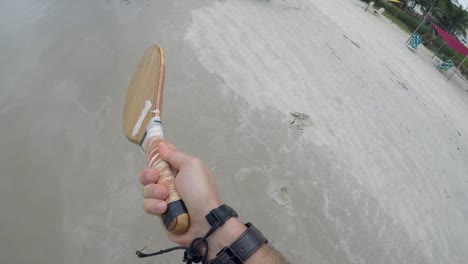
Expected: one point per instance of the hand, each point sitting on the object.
(197, 188)
(195, 185)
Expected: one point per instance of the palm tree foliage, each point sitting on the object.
(448, 14)
(453, 18)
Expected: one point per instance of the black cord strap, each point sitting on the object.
(191, 254)
(140, 253)
(216, 218)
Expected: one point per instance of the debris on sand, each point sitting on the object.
(299, 116)
(403, 85)
(354, 43)
(300, 121)
(447, 195)
(281, 196)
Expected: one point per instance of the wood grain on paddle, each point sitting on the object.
(147, 81)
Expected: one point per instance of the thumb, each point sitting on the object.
(174, 157)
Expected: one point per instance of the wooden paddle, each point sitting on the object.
(142, 125)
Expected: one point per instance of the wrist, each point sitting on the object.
(203, 227)
(224, 236)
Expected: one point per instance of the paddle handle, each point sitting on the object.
(176, 218)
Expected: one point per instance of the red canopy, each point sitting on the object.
(451, 41)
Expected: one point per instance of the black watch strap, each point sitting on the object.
(220, 215)
(239, 251)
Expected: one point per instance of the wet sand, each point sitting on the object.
(370, 167)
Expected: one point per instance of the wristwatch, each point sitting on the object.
(241, 249)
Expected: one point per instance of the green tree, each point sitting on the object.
(451, 17)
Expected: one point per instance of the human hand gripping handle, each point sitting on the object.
(176, 218)
(196, 185)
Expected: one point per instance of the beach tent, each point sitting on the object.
(453, 43)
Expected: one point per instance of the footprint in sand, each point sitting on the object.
(281, 196)
(300, 121)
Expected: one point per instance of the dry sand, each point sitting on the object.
(322, 128)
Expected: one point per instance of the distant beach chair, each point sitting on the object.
(415, 40)
(370, 6)
(436, 61)
(379, 12)
(444, 67)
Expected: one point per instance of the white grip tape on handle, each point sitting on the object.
(143, 114)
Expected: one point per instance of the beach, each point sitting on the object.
(322, 128)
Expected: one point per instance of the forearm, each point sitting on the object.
(231, 231)
(267, 254)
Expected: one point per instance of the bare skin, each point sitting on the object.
(197, 187)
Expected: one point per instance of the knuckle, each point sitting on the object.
(147, 190)
(154, 207)
(161, 207)
(159, 192)
(195, 161)
(145, 176)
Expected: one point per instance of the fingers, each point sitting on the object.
(148, 176)
(155, 196)
(155, 191)
(176, 158)
(154, 206)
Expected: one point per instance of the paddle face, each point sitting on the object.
(146, 84)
